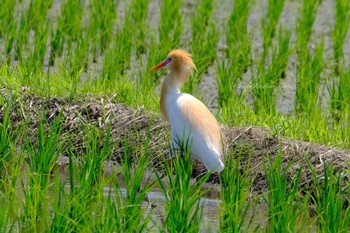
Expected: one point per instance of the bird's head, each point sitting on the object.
(178, 62)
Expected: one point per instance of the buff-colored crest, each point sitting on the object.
(181, 59)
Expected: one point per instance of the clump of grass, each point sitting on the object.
(330, 198)
(170, 25)
(100, 31)
(35, 60)
(42, 157)
(74, 211)
(309, 66)
(130, 210)
(304, 24)
(5, 142)
(339, 31)
(204, 40)
(6, 16)
(8, 25)
(231, 67)
(235, 188)
(237, 36)
(282, 198)
(11, 164)
(68, 29)
(116, 59)
(139, 11)
(182, 204)
(228, 75)
(269, 24)
(308, 80)
(264, 86)
(79, 59)
(340, 94)
(31, 19)
(148, 79)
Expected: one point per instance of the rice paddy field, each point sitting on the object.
(83, 147)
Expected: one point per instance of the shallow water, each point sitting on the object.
(211, 213)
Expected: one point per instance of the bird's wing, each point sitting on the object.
(193, 115)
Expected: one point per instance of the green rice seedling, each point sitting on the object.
(237, 37)
(68, 28)
(32, 19)
(228, 75)
(6, 16)
(11, 162)
(304, 24)
(139, 11)
(58, 220)
(230, 68)
(339, 31)
(5, 142)
(21, 38)
(170, 25)
(330, 198)
(182, 204)
(8, 25)
(37, 13)
(96, 153)
(72, 78)
(284, 203)
(10, 41)
(264, 86)
(78, 60)
(130, 211)
(74, 211)
(269, 23)
(308, 80)
(339, 91)
(235, 188)
(204, 40)
(71, 20)
(36, 58)
(308, 67)
(4, 216)
(116, 59)
(100, 31)
(148, 79)
(124, 209)
(42, 157)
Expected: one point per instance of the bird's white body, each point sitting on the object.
(185, 126)
(190, 120)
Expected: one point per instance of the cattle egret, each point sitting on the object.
(188, 117)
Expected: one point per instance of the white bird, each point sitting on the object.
(188, 117)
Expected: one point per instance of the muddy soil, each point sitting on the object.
(251, 144)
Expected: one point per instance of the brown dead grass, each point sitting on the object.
(251, 143)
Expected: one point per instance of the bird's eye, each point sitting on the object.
(168, 60)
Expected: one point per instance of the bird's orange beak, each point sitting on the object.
(160, 65)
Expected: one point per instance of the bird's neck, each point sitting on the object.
(171, 85)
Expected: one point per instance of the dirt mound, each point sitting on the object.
(257, 143)
(251, 143)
